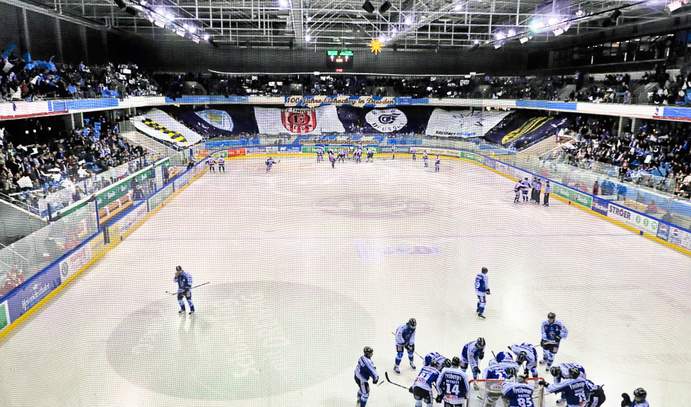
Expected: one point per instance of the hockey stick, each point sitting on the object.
(386, 374)
(191, 288)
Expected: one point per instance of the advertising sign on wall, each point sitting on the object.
(679, 237)
(26, 296)
(600, 206)
(75, 261)
(4, 315)
(634, 219)
(573, 195)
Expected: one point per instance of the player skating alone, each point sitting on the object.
(482, 291)
(184, 281)
(639, 396)
(553, 331)
(437, 164)
(414, 151)
(320, 154)
(452, 384)
(575, 390)
(518, 393)
(425, 158)
(526, 353)
(405, 339)
(332, 159)
(424, 382)
(269, 163)
(471, 355)
(365, 370)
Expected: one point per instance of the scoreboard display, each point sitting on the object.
(339, 60)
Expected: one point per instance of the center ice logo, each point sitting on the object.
(386, 120)
(247, 340)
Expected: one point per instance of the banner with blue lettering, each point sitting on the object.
(22, 299)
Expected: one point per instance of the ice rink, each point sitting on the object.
(308, 264)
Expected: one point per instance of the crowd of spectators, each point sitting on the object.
(659, 152)
(22, 78)
(57, 158)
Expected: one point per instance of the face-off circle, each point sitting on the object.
(246, 341)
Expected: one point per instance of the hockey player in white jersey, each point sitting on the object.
(365, 370)
(575, 390)
(553, 331)
(517, 188)
(482, 291)
(525, 188)
(405, 339)
(471, 355)
(502, 366)
(639, 399)
(562, 371)
(526, 353)
(452, 384)
(424, 382)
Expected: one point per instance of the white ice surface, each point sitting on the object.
(309, 264)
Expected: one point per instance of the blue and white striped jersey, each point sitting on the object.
(518, 394)
(365, 369)
(405, 335)
(550, 332)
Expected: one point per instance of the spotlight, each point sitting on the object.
(206, 37)
(511, 32)
(558, 31)
(500, 35)
(283, 4)
(409, 20)
(385, 6)
(308, 38)
(523, 40)
(536, 25)
(498, 45)
(368, 7)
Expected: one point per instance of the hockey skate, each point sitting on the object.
(397, 369)
(412, 365)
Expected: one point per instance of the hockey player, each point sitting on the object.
(184, 281)
(365, 370)
(405, 339)
(212, 164)
(517, 188)
(269, 163)
(341, 155)
(440, 360)
(414, 152)
(425, 158)
(370, 155)
(526, 353)
(553, 331)
(639, 396)
(526, 188)
(221, 165)
(597, 395)
(424, 382)
(452, 384)
(358, 155)
(518, 393)
(575, 390)
(437, 164)
(481, 290)
(471, 354)
(563, 371)
(320, 154)
(500, 367)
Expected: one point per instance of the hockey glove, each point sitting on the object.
(410, 347)
(375, 380)
(626, 400)
(557, 338)
(476, 370)
(543, 383)
(439, 398)
(410, 389)
(487, 292)
(481, 355)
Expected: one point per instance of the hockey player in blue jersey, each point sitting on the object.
(575, 390)
(518, 393)
(452, 384)
(424, 382)
(639, 396)
(184, 281)
(365, 370)
(471, 354)
(482, 291)
(597, 395)
(440, 360)
(269, 163)
(501, 366)
(562, 371)
(526, 353)
(405, 339)
(553, 331)
(437, 164)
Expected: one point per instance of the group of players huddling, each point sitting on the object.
(505, 377)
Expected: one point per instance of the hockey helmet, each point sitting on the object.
(574, 373)
(555, 371)
(412, 323)
(504, 357)
(480, 343)
(640, 394)
(455, 361)
(368, 351)
(551, 316)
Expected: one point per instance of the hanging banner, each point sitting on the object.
(462, 123)
(298, 121)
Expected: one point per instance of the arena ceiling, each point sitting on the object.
(407, 24)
